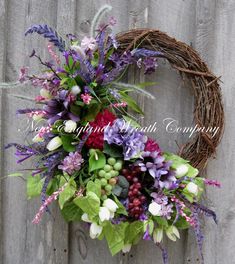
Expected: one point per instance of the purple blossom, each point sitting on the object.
(122, 134)
(150, 65)
(71, 163)
(115, 93)
(48, 33)
(166, 211)
(23, 74)
(160, 198)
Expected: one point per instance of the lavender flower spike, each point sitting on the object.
(48, 33)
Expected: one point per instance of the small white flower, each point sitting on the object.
(70, 126)
(126, 248)
(55, 143)
(104, 214)
(45, 93)
(155, 209)
(111, 205)
(37, 138)
(192, 188)
(75, 90)
(181, 170)
(95, 230)
(85, 218)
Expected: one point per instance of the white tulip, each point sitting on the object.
(55, 143)
(157, 235)
(192, 188)
(126, 248)
(181, 170)
(45, 93)
(95, 230)
(111, 205)
(104, 214)
(155, 209)
(70, 126)
(85, 218)
(75, 90)
(37, 139)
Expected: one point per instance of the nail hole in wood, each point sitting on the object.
(54, 249)
(65, 250)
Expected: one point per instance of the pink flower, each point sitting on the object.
(213, 183)
(88, 43)
(23, 74)
(86, 98)
(151, 145)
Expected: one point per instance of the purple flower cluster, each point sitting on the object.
(71, 163)
(122, 134)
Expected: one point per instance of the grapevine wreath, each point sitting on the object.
(90, 153)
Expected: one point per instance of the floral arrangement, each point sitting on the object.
(91, 155)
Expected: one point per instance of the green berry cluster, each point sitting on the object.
(108, 175)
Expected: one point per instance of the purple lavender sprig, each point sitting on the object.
(48, 33)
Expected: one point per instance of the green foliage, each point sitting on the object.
(131, 103)
(113, 150)
(34, 185)
(68, 193)
(94, 187)
(67, 143)
(182, 223)
(71, 212)
(134, 232)
(97, 161)
(161, 221)
(89, 204)
(121, 208)
(115, 236)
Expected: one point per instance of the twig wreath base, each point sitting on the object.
(208, 107)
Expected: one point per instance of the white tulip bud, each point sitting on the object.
(155, 209)
(126, 248)
(45, 93)
(70, 126)
(104, 214)
(181, 170)
(37, 139)
(85, 218)
(75, 90)
(192, 188)
(157, 235)
(95, 230)
(55, 143)
(111, 205)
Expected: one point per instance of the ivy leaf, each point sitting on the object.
(97, 161)
(113, 150)
(134, 232)
(67, 143)
(34, 186)
(68, 193)
(115, 236)
(94, 187)
(71, 212)
(89, 204)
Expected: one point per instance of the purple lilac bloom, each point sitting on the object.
(71, 163)
(150, 65)
(166, 211)
(122, 134)
(160, 198)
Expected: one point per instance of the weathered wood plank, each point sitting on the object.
(215, 37)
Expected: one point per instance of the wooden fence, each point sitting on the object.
(207, 25)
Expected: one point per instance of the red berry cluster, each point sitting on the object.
(136, 198)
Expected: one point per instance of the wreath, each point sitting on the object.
(90, 154)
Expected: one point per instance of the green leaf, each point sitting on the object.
(132, 122)
(96, 161)
(71, 212)
(134, 232)
(161, 221)
(145, 84)
(92, 111)
(182, 223)
(121, 208)
(17, 174)
(67, 140)
(53, 185)
(34, 186)
(67, 194)
(113, 150)
(94, 187)
(115, 236)
(131, 103)
(89, 204)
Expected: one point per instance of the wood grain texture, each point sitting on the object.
(208, 26)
